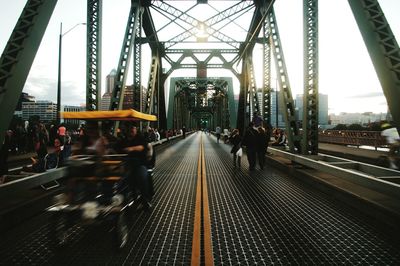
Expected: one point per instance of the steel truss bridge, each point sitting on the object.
(201, 98)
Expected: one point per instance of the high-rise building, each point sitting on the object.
(105, 102)
(275, 121)
(46, 110)
(323, 117)
(110, 81)
(106, 98)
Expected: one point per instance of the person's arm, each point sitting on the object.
(137, 148)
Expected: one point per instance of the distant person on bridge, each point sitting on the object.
(263, 140)
(257, 120)
(218, 133)
(61, 133)
(184, 131)
(236, 141)
(392, 138)
(250, 141)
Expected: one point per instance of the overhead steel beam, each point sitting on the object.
(285, 93)
(93, 56)
(18, 56)
(266, 93)
(235, 10)
(137, 67)
(262, 9)
(125, 56)
(190, 21)
(383, 50)
(311, 90)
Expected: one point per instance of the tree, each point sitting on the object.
(355, 127)
(340, 127)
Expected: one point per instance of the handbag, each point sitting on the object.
(239, 152)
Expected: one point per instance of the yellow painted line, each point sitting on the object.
(208, 252)
(196, 242)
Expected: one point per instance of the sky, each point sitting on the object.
(346, 73)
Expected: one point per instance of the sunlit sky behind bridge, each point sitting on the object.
(346, 71)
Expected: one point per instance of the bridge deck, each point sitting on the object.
(262, 217)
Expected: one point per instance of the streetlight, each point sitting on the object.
(59, 68)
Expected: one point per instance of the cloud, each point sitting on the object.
(366, 95)
(46, 89)
(42, 88)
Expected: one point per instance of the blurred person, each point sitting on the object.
(4, 151)
(61, 132)
(280, 138)
(158, 136)
(183, 131)
(257, 120)
(41, 139)
(392, 138)
(236, 140)
(250, 141)
(136, 146)
(262, 140)
(218, 133)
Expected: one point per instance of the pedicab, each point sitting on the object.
(95, 190)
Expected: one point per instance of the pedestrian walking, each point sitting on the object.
(262, 140)
(218, 133)
(236, 141)
(250, 141)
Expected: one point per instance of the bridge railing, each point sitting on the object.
(355, 138)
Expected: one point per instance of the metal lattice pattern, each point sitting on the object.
(125, 57)
(267, 74)
(310, 97)
(137, 66)
(383, 50)
(259, 217)
(151, 88)
(193, 22)
(285, 89)
(263, 217)
(162, 236)
(18, 56)
(93, 64)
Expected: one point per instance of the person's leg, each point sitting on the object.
(234, 160)
(143, 184)
(251, 156)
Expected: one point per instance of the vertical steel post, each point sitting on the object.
(310, 95)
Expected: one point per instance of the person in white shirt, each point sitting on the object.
(157, 134)
(393, 140)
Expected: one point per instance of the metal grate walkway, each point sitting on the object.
(261, 217)
(264, 217)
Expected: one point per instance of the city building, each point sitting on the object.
(24, 97)
(110, 81)
(276, 121)
(323, 118)
(71, 108)
(105, 102)
(45, 110)
(356, 118)
(106, 98)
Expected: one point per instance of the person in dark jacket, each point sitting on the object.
(250, 141)
(136, 147)
(262, 140)
(236, 141)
